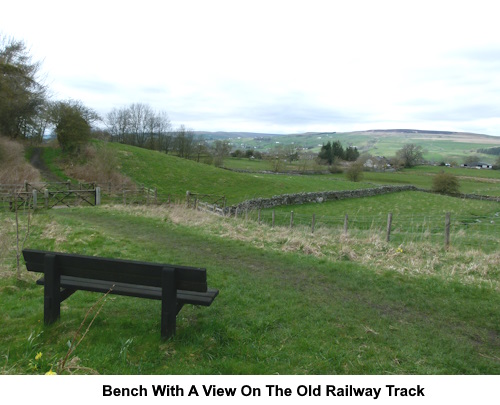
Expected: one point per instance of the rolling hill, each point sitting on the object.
(438, 145)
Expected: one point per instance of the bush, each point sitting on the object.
(355, 172)
(101, 164)
(446, 183)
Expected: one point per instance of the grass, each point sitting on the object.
(279, 311)
(174, 176)
(171, 175)
(472, 181)
(291, 302)
(416, 216)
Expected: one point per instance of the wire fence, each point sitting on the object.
(467, 231)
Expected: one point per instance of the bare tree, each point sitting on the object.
(139, 116)
(410, 155)
(184, 142)
(118, 123)
(164, 132)
(221, 150)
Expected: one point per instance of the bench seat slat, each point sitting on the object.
(132, 290)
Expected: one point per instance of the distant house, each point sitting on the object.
(478, 165)
(377, 163)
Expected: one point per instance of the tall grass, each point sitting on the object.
(13, 167)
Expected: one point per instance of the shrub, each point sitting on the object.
(446, 183)
(101, 165)
(355, 172)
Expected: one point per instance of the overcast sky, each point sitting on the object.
(273, 66)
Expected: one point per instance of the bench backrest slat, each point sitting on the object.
(117, 270)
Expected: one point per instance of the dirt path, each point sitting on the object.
(38, 163)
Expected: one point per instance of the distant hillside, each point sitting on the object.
(233, 135)
(438, 145)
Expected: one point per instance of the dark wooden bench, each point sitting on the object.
(65, 274)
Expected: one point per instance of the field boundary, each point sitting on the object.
(312, 197)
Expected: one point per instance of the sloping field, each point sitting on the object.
(172, 175)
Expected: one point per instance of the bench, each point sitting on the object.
(64, 274)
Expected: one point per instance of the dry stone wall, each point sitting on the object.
(313, 197)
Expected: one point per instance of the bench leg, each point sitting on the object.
(168, 302)
(52, 290)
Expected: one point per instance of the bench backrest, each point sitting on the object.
(117, 270)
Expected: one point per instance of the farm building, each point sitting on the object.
(478, 165)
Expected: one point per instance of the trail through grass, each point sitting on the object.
(278, 312)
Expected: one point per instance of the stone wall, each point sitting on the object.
(314, 197)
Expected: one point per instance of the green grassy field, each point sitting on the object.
(416, 216)
(291, 301)
(436, 147)
(279, 311)
(171, 175)
(174, 176)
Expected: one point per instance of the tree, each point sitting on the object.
(72, 121)
(472, 159)
(277, 159)
(72, 131)
(446, 183)
(326, 153)
(338, 150)
(332, 152)
(410, 155)
(351, 154)
(164, 131)
(355, 172)
(496, 166)
(220, 151)
(118, 123)
(139, 125)
(184, 142)
(22, 93)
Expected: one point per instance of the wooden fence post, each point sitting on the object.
(259, 216)
(346, 223)
(46, 198)
(313, 223)
(291, 219)
(98, 196)
(34, 199)
(272, 223)
(389, 224)
(447, 222)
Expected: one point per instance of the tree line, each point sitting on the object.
(27, 112)
(333, 151)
